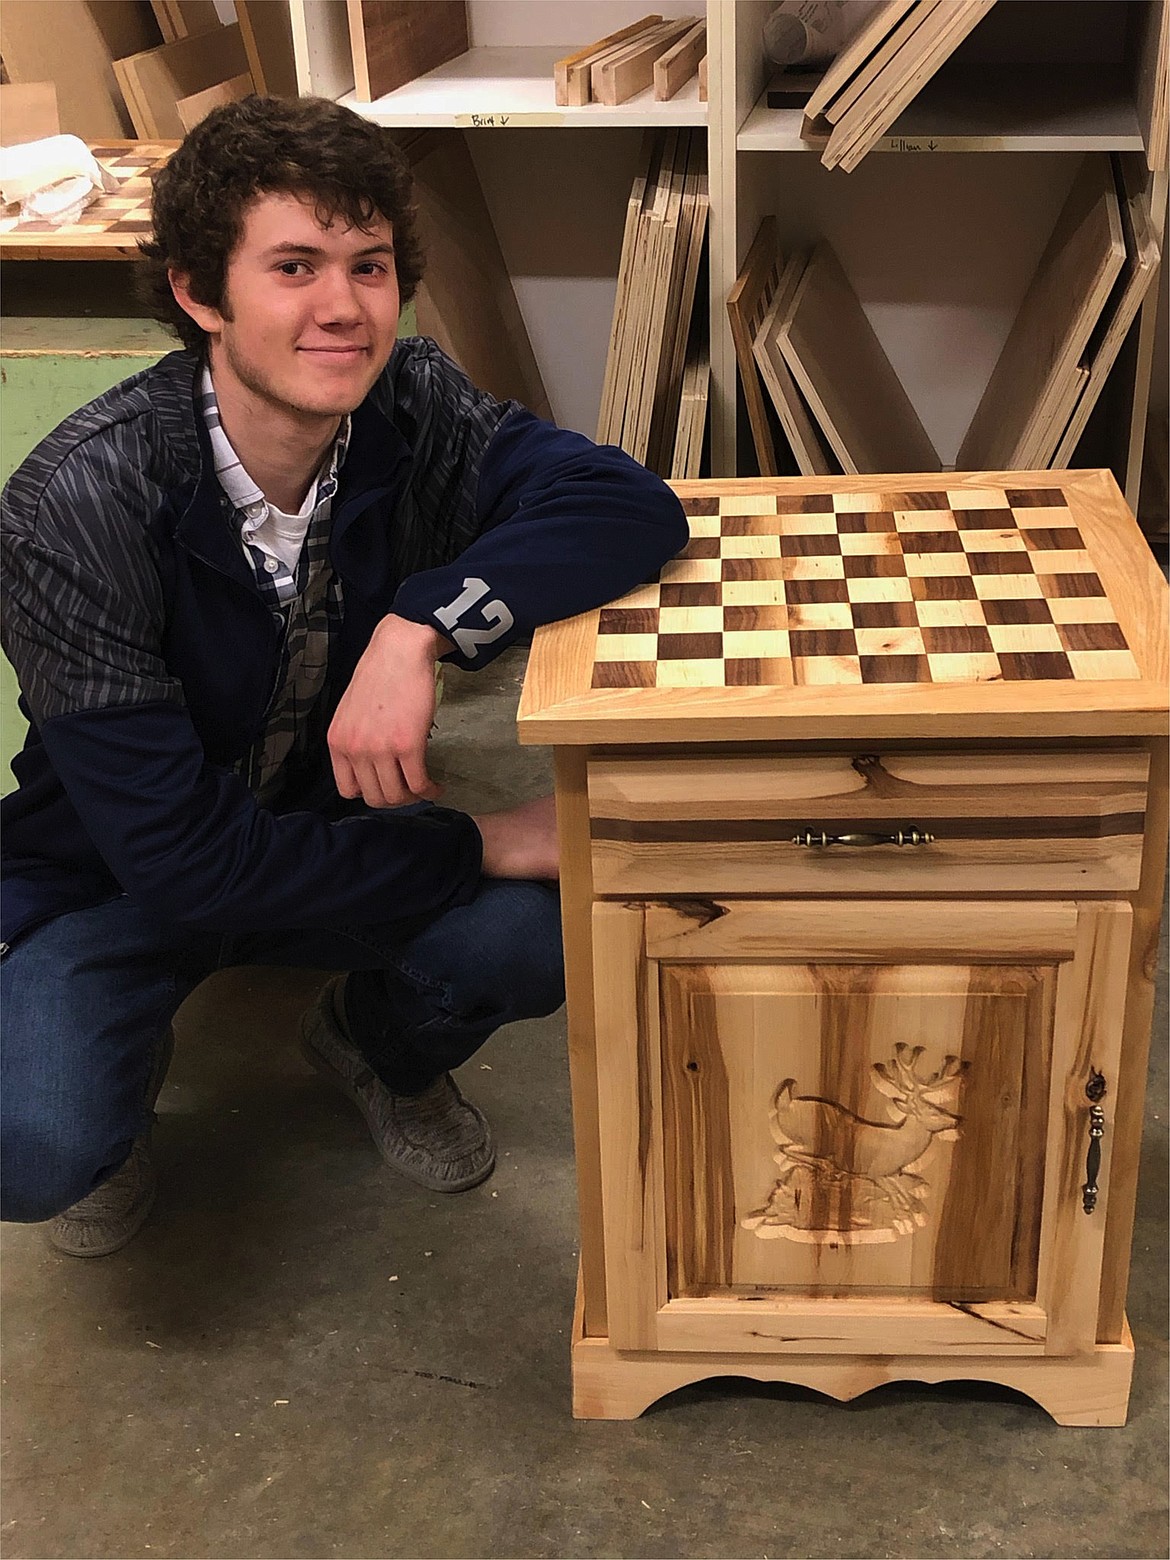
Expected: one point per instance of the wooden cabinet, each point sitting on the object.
(858, 987)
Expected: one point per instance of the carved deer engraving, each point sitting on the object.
(846, 1178)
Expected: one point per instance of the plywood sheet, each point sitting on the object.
(1142, 258)
(748, 303)
(846, 377)
(76, 55)
(466, 302)
(266, 29)
(813, 457)
(1077, 270)
(396, 41)
(856, 52)
(158, 78)
(927, 48)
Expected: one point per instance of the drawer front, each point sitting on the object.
(1036, 823)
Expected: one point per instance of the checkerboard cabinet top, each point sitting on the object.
(1003, 603)
(110, 228)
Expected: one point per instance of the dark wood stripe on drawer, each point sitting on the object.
(663, 831)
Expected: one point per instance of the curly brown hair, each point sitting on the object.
(348, 166)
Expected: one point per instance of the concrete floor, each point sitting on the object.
(302, 1355)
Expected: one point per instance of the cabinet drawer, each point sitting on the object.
(1037, 823)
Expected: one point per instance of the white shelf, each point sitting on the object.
(987, 109)
(513, 88)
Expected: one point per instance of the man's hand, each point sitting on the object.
(520, 843)
(378, 737)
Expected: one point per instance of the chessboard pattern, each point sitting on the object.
(113, 222)
(968, 585)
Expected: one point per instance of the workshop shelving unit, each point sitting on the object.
(940, 238)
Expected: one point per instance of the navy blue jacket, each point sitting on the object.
(147, 658)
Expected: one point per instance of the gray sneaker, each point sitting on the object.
(436, 1139)
(113, 1214)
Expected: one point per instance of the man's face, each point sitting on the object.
(310, 312)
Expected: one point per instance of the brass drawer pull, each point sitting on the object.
(1095, 1090)
(903, 837)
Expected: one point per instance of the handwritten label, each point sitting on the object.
(939, 143)
(507, 121)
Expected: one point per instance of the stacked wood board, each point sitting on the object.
(664, 54)
(662, 246)
(892, 56)
(1090, 283)
(802, 336)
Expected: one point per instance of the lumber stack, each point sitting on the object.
(653, 364)
(664, 54)
(894, 53)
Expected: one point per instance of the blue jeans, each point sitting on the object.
(88, 996)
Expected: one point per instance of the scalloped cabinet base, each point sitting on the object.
(1089, 1390)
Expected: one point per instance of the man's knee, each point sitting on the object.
(43, 1173)
(511, 956)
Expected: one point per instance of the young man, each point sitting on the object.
(228, 581)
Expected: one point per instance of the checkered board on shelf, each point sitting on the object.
(961, 586)
(124, 212)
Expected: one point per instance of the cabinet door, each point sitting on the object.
(855, 1127)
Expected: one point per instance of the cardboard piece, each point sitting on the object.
(812, 454)
(180, 18)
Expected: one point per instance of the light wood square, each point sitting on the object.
(950, 614)
(889, 641)
(1054, 518)
(896, 589)
(912, 520)
(747, 504)
(806, 525)
(691, 571)
(1024, 638)
(1103, 665)
(993, 541)
(870, 543)
(1074, 561)
(821, 614)
(1007, 587)
(753, 593)
(977, 498)
(931, 565)
(964, 668)
(763, 644)
(824, 669)
(690, 674)
(690, 620)
(812, 568)
(1082, 609)
(858, 503)
(704, 525)
(749, 546)
(626, 647)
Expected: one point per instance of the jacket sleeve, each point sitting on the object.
(564, 526)
(83, 626)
